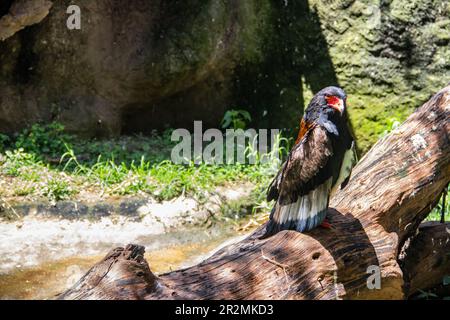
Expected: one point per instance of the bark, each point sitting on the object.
(427, 258)
(392, 189)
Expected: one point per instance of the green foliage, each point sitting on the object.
(435, 214)
(119, 167)
(44, 140)
(4, 142)
(427, 295)
(57, 189)
(156, 148)
(24, 190)
(236, 119)
(17, 160)
(118, 170)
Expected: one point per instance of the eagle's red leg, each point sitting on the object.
(326, 224)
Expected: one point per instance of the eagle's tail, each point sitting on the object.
(305, 214)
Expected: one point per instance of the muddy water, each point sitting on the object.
(164, 252)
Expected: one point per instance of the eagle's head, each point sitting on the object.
(334, 98)
(329, 100)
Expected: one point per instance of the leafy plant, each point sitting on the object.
(4, 141)
(426, 295)
(57, 189)
(18, 160)
(236, 119)
(118, 167)
(24, 190)
(44, 140)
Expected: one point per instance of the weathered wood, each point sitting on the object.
(426, 259)
(124, 273)
(391, 191)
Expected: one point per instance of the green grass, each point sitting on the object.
(57, 189)
(18, 163)
(133, 165)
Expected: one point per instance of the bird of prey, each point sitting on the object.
(319, 163)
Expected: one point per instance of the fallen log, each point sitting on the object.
(392, 189)
(426, 259)
(124, 273)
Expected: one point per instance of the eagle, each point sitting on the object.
(319, 163)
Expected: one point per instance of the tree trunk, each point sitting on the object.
(392, 189)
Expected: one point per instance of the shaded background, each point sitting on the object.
(141, 65)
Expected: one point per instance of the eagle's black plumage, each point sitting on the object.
(315, 165)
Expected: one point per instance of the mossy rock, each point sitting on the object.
(144, 65)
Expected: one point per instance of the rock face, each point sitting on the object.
(390, 55)
(141, 65)
(132, 67)
(23, 13)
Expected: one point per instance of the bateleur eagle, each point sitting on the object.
(319, 163)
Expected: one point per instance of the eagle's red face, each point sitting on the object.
(335, 103)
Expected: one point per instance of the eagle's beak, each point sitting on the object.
(338, 105)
